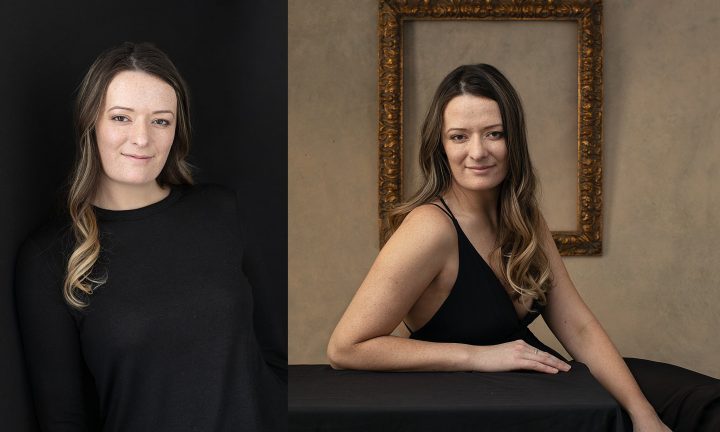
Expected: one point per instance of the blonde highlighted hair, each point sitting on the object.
(80, 281)
(524, 264)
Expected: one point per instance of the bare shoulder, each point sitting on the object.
(426, 225)
(429, 211)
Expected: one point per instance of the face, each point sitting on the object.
(474, 141)
(135, 129)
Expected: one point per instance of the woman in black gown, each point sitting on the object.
(135, 310)
(469, 262)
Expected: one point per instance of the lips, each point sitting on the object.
(134, 156)
(480, 167)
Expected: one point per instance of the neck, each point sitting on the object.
(119, 196)
(475, 204)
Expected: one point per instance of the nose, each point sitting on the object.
(477, 147)
(141, 135)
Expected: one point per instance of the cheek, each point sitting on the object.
(105, 137)
(501, 152)
(502, 156)
(500, 147)
(164, 141)
(453, 154)
(108, 140)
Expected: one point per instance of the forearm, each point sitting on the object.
(594, 348)
(392, 353)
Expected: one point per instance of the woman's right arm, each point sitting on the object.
(413, 257)
(62, 389)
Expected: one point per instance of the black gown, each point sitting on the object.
(478, 311)
(168, 342)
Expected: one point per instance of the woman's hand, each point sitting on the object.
(517, 355)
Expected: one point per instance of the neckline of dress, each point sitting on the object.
(498, 283)
(141, 212)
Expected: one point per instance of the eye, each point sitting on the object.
(457, 137)
(120, 118)
(161, 122)
(496, 135)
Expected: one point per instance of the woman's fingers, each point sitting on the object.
(538, 366)
(549, 360)
(518, 354)
(542, 361)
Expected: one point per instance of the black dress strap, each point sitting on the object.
(443, 210)
(450, 213)
(408, 327)
(444, 207)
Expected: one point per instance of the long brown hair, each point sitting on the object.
(525, 266)
(79, 279)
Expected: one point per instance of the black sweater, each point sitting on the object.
(167, 343)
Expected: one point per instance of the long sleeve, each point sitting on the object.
(58, 377)
(268, 280)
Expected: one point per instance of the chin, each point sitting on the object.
(480, 186)
(133, 181)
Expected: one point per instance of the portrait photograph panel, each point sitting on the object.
(144, 231)
(418, 192)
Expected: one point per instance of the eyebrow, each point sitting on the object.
(485, 128)
(130, 109)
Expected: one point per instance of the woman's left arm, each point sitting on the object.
(583, 337)
(267, 279)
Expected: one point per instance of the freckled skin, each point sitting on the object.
(137, 118)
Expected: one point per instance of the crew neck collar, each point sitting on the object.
(139, 213)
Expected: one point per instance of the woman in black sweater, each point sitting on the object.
(135, 311)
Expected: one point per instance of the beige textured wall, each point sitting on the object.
(656, 289)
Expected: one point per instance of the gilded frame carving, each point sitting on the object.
(587, 239)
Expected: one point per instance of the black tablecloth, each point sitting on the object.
(323, 399)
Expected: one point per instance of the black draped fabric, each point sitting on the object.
(323, 399)
(167, 343)
(685, 400)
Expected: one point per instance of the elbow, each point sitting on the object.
(334, 359)
(338, 354)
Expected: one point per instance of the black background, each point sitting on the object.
(233, 54)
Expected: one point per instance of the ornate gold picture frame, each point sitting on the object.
(587, 238)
